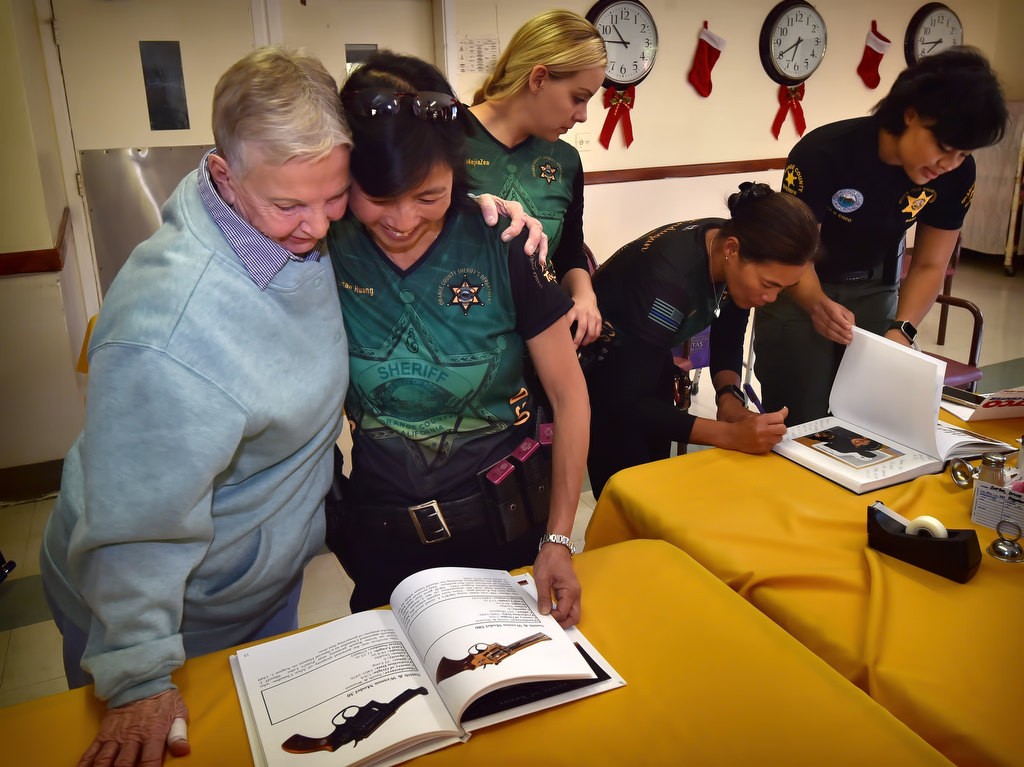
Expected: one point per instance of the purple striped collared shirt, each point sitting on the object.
(262, 257)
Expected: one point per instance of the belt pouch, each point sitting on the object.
(533, 471)
(546, 437)
(506, 510)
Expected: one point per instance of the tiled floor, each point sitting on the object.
(30, 664)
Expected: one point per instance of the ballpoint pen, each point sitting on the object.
(753, 397)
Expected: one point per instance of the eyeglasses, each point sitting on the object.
(426, 105)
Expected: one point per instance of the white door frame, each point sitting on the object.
(85, 255)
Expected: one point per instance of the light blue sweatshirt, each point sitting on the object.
(194, 496)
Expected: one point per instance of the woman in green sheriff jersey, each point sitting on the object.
(440, 314)
(539, 89)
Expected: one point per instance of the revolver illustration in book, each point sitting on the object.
(357, 723)
(482, 654)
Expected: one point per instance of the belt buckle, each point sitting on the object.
(429, 522)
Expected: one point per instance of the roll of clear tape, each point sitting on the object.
(928, 526)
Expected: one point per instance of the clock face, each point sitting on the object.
(792, 42)
(934, 28)
(630, 38)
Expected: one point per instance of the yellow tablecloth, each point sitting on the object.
(710, 681)
(941, 656)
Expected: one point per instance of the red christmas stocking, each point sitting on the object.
(709, 48)
(874, 48)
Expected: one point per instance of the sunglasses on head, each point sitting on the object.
(426, 105)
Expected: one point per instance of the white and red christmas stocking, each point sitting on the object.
(874, 48)
(709, 48)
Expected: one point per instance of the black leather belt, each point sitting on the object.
(429, 522)
(859, 275)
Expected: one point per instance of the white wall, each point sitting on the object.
(673, 125)
(40, 404)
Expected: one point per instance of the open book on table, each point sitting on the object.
(460, 649)
(885, 426)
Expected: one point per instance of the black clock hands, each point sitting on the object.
(794, 47)
(931, 44)
(621, 41)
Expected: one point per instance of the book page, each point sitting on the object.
(351, 686)
(852, 456)
(477, 630)
(954, 442)
(517, 700)
(887, 388)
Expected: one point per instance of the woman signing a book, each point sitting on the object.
(662, 289)
(439, 312)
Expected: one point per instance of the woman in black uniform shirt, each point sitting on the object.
(663, 288)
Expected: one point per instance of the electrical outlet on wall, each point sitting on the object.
(584, 142)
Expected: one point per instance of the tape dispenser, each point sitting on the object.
(924, 542)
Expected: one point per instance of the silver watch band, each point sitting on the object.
(564, 540)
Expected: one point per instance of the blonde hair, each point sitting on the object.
(283, 104)
(562, 41)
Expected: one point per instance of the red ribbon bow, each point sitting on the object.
(789, 98)
(618, 106)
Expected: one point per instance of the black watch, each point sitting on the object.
(732, 389)
(906, 328)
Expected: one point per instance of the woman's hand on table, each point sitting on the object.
(554, 575)
(139, 732)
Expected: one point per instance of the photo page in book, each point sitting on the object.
(853, 457)
(382, 686)
(884, 428)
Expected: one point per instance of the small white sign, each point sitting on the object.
(478, 54)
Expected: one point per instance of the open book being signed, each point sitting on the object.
(885, 426)
(459, 650)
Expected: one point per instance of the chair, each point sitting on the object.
(947, 283)
(6, 565)
(83, 356)
(963, 375)
(947, 289)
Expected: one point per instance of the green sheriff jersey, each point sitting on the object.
(436, 356)
(546, 177)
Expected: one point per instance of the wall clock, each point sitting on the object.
(935, 27)
(630, 37)
(792, 42)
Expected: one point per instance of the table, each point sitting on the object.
(710, 680)
(941, 656)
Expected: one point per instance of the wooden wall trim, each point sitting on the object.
(683, 171)
(52, 259)
(36, 261)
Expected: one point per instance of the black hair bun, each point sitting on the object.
(749, 191)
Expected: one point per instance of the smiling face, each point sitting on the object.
(561, 103)
(923, 158)
(291, 204)
(405, 226)
(756, 284)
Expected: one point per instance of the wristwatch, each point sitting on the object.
(907, 329)
(732, 389)
(564, 540)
